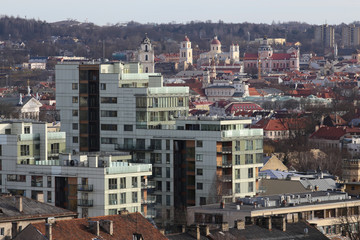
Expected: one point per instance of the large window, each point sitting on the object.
(108, 100)
(108, 113)
(27, 130)
(259, 144)
(16, 178)
(237, 173)
(237, 160)
(199, 157)
(108, 127)
(237, 187)
(122, 198)
(251, 187)
(249, 159)
(109, 141)
(250, 173)
(24, 150)
(112, 183)
(54, 148)
(113, 199)
(248, 145)
(156, 144)
(123, 182)
(36, 181)
(134, 182)
(134, 197)
(75, 99)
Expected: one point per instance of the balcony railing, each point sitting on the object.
(85, 187)
(85, 202)
(226, 164)
(151, 213)
(148, 184)
(227, 192)
(133, 147)
(148, 200)
(226, 178)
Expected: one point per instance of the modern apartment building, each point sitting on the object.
(325, 35)
(350, 36)
(195, 160)
(92, 184)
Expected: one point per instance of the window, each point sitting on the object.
(108, 127)
(0, 150)
(128, 128)
(113, 211)
(49, 196)
(249, 159)
(75, 126)
(237, 187)
(26, 130)
(109, 141)
(16, 178)
(54, 148)
(158, 199)
(122, 198)
(237, 173)
(108, 100)
(168, 158)
(102, 86)
(250, 173)
(168, 172)
(146, 58)
(199, 144)
(237, 160)
(248, 145)
(199, 171)
(259, 144)
(202, 201)
(108, 113)
(112, 183)
(155, 157)
(8, 131)
(134, 182)
(2, 231)
(158, 186)
(157, 171)
(24, 150)
(168, 186)
(123, 182)
(259, 158)
(168, 198)
(74, 86)
(112, 199)
(134, 197)
(49, 181)
(199, 157)
(167, 144)
(251, 187)
(199, 186)
(36, 181)
(75, 140)
(75, 113)
(75, 99)
(155, 144)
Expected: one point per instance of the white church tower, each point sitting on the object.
(146, 56)
(234, 52)
(186, 52)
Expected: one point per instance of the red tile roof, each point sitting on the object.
(330, 133)
(244, 106)
(281, 56)
(124, 228)
(250, 56)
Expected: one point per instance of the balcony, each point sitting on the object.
(226, 164)
(132, 147)
(53, 153)
(148, 184)
(225, 150)
(85, 187)
(226, 178)
(150, 199)
(85, 203)
(151, 213)
(227, 193)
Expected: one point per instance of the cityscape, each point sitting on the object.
(196, 130)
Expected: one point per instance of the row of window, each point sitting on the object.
(113, 183)
(36, 181)
(250, 187)
(113, 198)
(250, 173)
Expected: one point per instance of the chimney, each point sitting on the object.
(94, 227)
(183, 229)
(123, 212)
(107, 226)
(14, 229)
(279, 222)
(162, 231)
(239, 224)
(19, 203)
(195, 232)
(205, 230)
(48, 227)
(40, 197)
(225, 227)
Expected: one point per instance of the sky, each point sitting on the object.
(183, 11)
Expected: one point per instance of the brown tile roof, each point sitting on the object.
(124, 228)
(330, 133)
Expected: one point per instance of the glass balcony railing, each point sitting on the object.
(85, 203)
(85, 187)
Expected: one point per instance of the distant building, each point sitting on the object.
(325, 35)
(186, 55)
(146, 56)
(350, 36)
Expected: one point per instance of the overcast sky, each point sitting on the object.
(182, 11)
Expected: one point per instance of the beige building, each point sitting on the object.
(350, 36)
(325, 35)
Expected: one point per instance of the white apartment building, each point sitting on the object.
(118, 107)
(93, 184)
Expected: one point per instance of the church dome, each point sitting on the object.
(215, 41)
